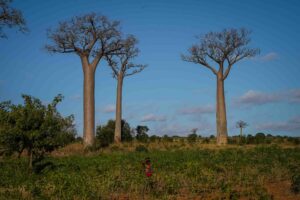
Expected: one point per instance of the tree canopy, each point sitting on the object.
(224, 48)
(34, 127)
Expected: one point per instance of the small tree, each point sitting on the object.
(154, 138)
(91, 37)
(105, 134)
(223, 49)
(192, 138)
(122, 67)
(241, 124)
(141, 133)
(260, 138)
(34, 127)
(10, 17)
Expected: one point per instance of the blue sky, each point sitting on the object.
(170, 96)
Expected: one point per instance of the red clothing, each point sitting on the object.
(148, 170)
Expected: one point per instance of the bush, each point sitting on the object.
(105, 134)
(295, 187)
(260, 138)
(205, 141)
(154, 138)
(166, 138)
(34, 127)
(250, 139)
(141, 148)
(141, 133)
(192, 138)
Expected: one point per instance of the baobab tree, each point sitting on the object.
(241, 124)
(122, 67)
(91, 37)
(222, 49)
(10, 17)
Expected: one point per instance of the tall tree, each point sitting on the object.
(241, 124)
(122, 66)
(224, 49)
(10, 17)
(91, 37)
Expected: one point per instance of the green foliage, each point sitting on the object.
(166, 138)
(141, 148)
(235, 173)
(206, 140)
(192, 138)
(295, 186)
(105, 134)
(154, 138)
(260, 138)
(34, 127)
(141, 133)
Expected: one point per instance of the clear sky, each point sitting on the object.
(170, 96)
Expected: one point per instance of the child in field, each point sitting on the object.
(148, 168)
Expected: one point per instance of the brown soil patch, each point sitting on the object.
(281, 190)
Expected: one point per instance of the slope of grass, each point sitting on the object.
(233, 173)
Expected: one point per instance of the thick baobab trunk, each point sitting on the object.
(221, 112)
(118, 124)
(88, 104)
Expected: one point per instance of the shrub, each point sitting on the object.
(34, 127)
(260, 138)
(105, 134)
(166, 138)
(205, 141)
(250, 139)
(154, 138)
(141, 133)
(295, 186)
(192, 138)
(141, 148)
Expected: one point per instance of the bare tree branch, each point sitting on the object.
(230, 45)
(119, 60)
(89, 35)
(138, 68)
(10, 17)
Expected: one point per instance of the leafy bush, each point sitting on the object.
(141, 148)
(206, 141)
(192, 138)
(295, 186)
(105, 134)
(154, 138)
(34, 127)
(166, 138)
(141, 133)
(260, 138)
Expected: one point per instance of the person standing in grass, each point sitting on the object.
(148, 172)
(148, 167)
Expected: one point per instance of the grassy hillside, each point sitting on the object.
(262, 172)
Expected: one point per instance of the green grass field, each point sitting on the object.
(262, 172)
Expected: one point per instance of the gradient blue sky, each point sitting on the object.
(170, 96)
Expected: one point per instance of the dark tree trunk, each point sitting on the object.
(118, 124)
(221, 112)
(88, 104)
